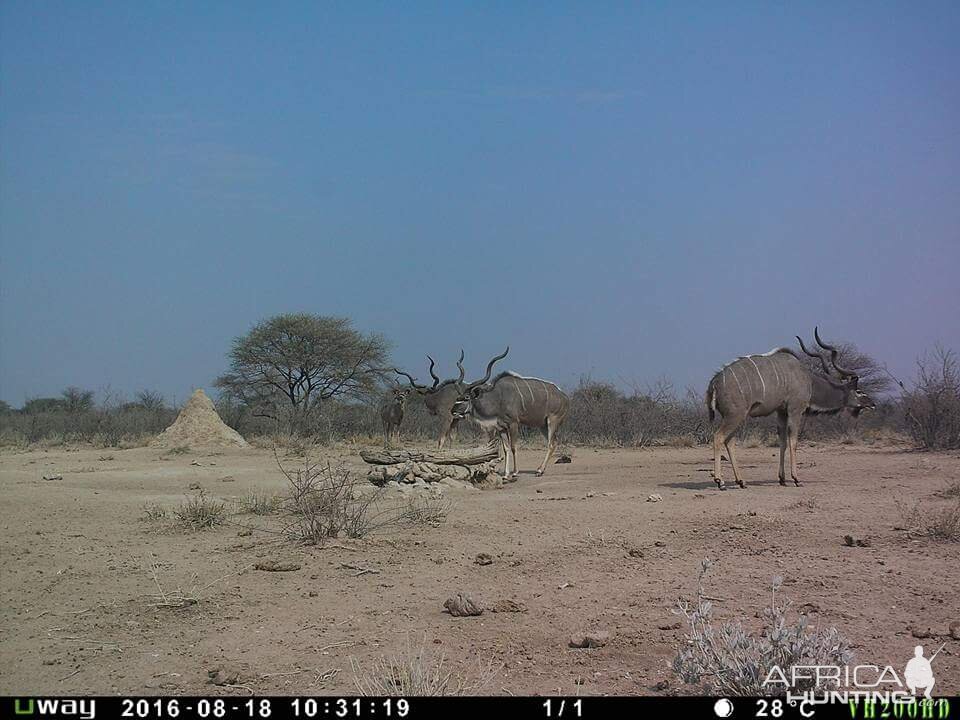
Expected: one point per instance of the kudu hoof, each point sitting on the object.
(783, 482)
(797, 483)
(539, 473)
(743, 485)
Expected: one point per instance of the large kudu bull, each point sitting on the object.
(779, 382)
(510, 401)
(439, 398)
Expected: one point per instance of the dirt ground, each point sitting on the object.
(580, 548)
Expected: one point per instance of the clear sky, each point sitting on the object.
(623, 190)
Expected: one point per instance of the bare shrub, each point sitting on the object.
(415, 673)
(600, 414)
(74, 418)
(933, 405)
(326, 501)
(173, 599)
(733, 662)
(199, 512)
(182, 597)
(754, 439)
(938, 523)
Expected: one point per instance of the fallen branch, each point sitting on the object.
(472, 456)
(360, 569)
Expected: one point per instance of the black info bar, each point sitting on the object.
(340, 708)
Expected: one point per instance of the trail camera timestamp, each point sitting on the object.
(267, 708)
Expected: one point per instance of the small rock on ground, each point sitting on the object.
(590, 639)
(223, 675)
(507, 606)
(483, 559)
(655, 497)
(462, 605)
(276, 566)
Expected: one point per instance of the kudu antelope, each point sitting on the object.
(509, 401)
(391, 413)
(779, 382)
(439, 398)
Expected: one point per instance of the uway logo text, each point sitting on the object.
(55, 707)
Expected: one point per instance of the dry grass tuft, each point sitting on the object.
(153, 512)
(259, 502)
(414, 673)
(937, 523)
(952, 490)
(808, 503)
(426, 510)
(183, 598)
(198, 512)
(175, 599)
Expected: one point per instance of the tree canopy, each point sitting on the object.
(294, 362)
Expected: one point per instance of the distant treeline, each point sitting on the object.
(926, 412)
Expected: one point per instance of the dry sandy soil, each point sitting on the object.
(579, 548)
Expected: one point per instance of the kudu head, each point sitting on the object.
(399, 393)
(854, 401)
(431, 389)
(472, 391)
(400, 396)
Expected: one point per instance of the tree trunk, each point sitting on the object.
(469, 456)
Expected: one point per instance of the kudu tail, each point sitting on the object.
(711, 399)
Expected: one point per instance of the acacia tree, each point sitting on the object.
(287, 366)
(76, 400)
(150, 400)
(933, 404)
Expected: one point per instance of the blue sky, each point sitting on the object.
(624, 190)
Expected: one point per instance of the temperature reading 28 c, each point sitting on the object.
(562, 708)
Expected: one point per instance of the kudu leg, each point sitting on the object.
(721, 438)
(729, 443)
(551, 432)
(782, 432)
(513, 431)
(793, 435)
(445, 431)
(717, 477)
(505, 443)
